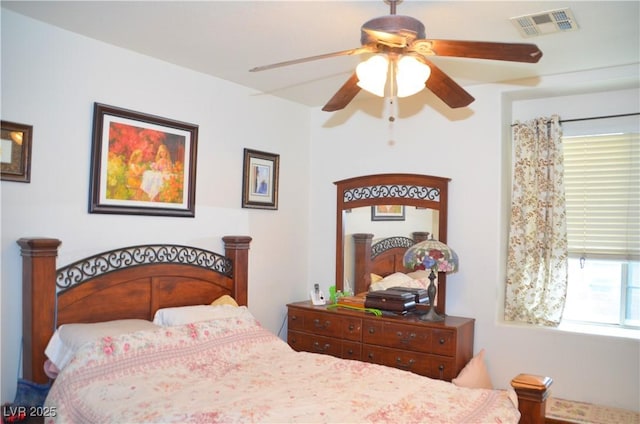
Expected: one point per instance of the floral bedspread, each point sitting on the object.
(232, 370)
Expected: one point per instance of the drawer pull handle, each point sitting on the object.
(350, 351)
(351, 327)
(372, 330)
(442, 341)
(370, 355)
(409, 364)
(317, 323)
(405, 338)
(294, 317)
(441, 369)
(324, 348)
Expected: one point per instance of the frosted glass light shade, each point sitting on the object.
(372, 74)
(412, 76)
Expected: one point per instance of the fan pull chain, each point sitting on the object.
(391, 112)
(391, 85)
(392, 109)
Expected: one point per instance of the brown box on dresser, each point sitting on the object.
(434, 349)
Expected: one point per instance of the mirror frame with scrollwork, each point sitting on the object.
(422, 191)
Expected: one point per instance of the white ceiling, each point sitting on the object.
(227, 38)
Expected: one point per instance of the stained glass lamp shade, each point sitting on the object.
(437, 257)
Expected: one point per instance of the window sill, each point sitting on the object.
(600, 330)
(581, 328)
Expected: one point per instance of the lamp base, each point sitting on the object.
(431, 316)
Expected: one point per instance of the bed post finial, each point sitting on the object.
(38, 303)
(237, 249)
(532, 391)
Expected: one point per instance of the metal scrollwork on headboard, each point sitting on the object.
(390, 243)
(128, 257)
(392, 190)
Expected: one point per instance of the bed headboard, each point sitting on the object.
(384, 257)
(130, 282)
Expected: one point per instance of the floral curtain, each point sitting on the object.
(537, 252)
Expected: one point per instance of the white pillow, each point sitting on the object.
(181, 315)
(399, 279)
(419, 274)
(69, 337)
(395, 279)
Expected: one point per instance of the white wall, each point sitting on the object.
(470, 148)
(51, 78)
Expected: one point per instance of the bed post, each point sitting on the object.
(532, 391)
(38, 303)
(237, 249)
(362, 267)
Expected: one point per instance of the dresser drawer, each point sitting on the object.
(442, 368)
(401, 336)
(295, 320)
(351, 350)
(314, 343)
(409, 361)
(323, 323)
(315, 322)
(443, 342)
(352, 329)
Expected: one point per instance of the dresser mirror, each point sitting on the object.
(374, 207)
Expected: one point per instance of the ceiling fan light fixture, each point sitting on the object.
(372, 74)
(411, 76)
(393, 37)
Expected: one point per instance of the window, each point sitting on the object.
(602, 184)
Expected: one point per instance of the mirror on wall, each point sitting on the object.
(374, 220)
(387, 205)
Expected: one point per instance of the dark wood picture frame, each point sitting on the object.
(394, 213)
(16, 152)
(142, 164)
(260, 180)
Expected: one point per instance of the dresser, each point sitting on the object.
(434, 349)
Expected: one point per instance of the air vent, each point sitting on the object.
(560, 20)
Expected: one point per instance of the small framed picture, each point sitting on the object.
(15, 152)
(142, 164)
(260, 180)
(387, 213)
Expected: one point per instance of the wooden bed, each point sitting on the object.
(134, 282)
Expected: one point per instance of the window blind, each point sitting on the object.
(602, 189)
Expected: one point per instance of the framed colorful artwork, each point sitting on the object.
(387, 213)
(260, 180)
(15, 152)
(142, 164)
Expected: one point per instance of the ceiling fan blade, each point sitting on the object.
(343, 96)
(513, 52)
(445, 88)
(350, 52)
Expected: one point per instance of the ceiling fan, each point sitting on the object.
(395, 37)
